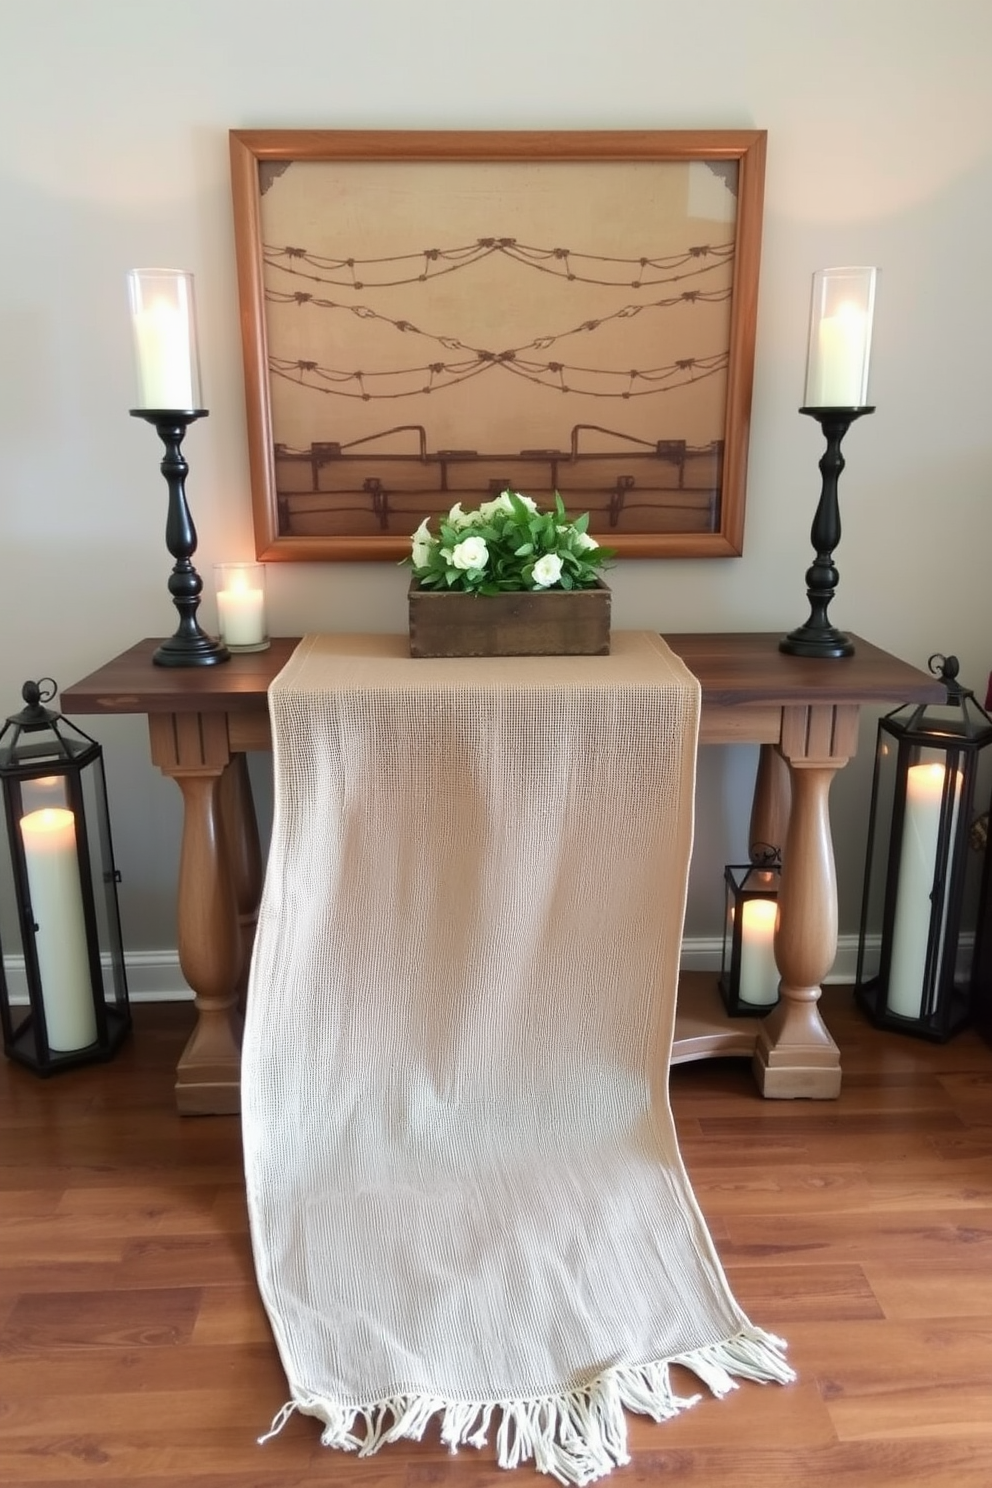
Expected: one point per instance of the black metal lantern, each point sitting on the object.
(60, 865)
(749, 979)
(925, 863)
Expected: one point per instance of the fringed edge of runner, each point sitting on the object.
(577, 1436)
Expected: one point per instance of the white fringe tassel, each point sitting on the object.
(576, 1437)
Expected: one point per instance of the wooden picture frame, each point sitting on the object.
(428, 317)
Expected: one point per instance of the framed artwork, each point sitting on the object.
(430, 317)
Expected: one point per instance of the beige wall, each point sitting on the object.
(113, 153)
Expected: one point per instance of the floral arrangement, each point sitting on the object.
(507, 544)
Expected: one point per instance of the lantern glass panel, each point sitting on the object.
(46, 792)
(104, 879)
(879, 834)
(12, 983)
(729, 916)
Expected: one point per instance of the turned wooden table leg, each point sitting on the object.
(770, 807)
(244, 857)
(192, 749)
(795, 1055)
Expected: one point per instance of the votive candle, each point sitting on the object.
(241, 606)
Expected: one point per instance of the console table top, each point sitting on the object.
(735, 668)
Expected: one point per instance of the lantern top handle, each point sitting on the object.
(959, 715)
(33, 715)
(947, 668)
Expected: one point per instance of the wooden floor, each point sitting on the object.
(134, 1350)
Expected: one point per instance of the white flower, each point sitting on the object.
(470, 553)
(459, 518)
(421, 543)
(581, 541)
(547, 570)
(500, 503)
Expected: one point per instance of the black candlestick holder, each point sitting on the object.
(818, 637)
(190, 646)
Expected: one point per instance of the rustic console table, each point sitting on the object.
(804, 714)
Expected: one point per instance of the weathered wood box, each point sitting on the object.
(547, 622)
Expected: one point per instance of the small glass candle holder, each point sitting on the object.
(241, 606)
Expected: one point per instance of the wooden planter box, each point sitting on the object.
(550, 622)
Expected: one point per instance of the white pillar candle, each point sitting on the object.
(49, 838)
(917, 866)
(164, 330)
(840, 359)
(759, 976)
(241, 606)
(162, 339)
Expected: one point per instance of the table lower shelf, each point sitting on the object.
(703, 1027)
(209, 1085)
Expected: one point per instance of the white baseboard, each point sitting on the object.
(154, 976)
(705, 953)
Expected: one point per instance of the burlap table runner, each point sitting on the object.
(466, 1196)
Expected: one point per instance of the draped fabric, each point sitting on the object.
(467, 1201)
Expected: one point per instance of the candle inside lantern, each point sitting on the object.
(840, 338)
(759, 976)
(917, 866)
(241, 606)
(49, 838)
(165, 347)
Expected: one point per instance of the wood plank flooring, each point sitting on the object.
(134, 1349)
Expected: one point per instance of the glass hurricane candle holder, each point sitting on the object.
(163, 326)
(842, 307)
